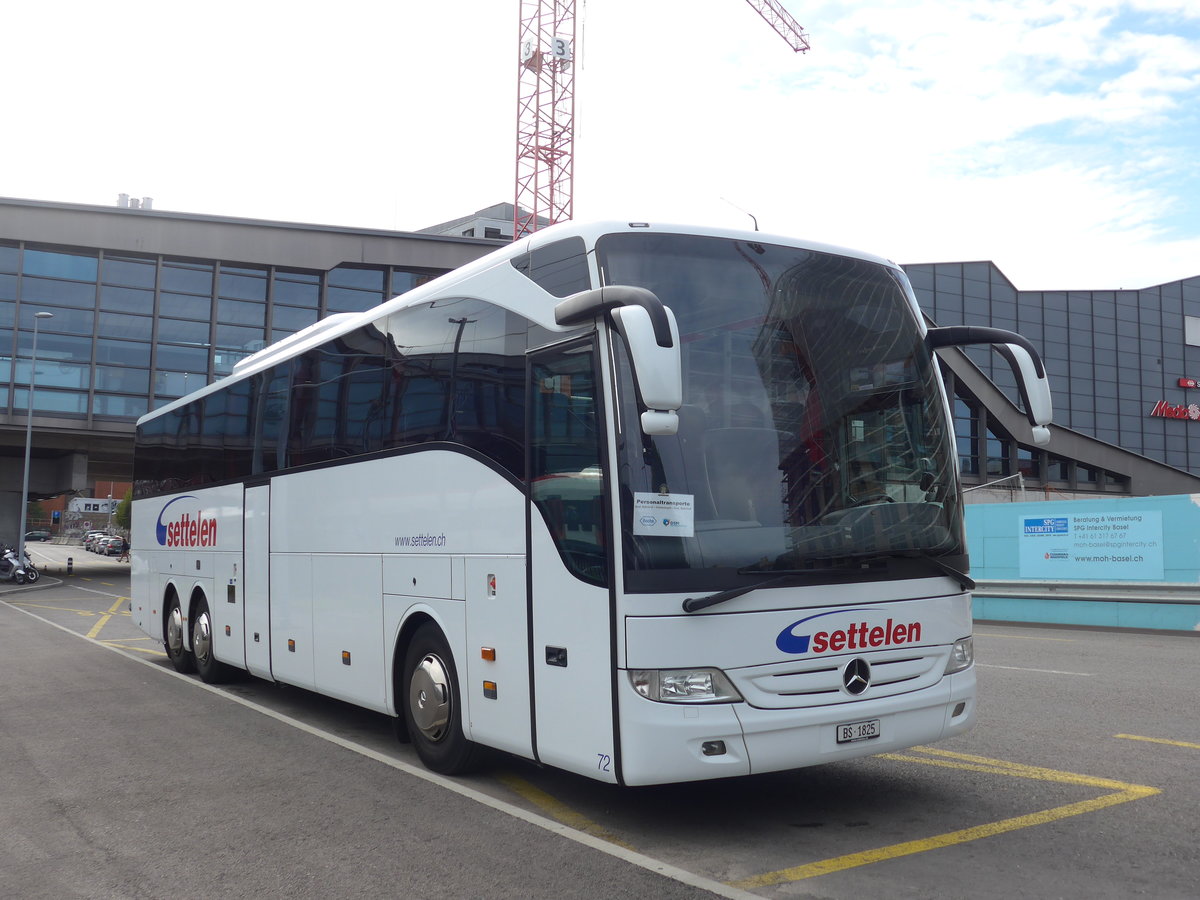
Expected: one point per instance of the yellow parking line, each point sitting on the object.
(152, 651)
(1134, 737)
(1122, 793)
(80, 612)
(112, 611)
(560, 811)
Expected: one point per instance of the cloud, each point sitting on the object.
(1055, 136)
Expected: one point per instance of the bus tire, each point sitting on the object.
(180, 656)
(433, 705)
(211, 671)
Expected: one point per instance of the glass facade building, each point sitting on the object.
(133, 331)
(1123, 367)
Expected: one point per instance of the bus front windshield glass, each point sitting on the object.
(812, 437)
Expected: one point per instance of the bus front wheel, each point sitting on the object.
(181, 658)
(433, 708)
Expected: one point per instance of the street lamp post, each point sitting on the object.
(37, 317)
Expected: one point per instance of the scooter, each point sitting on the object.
(11, 569)
(31, 574)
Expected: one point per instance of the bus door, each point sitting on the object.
(256, 582)
(570, 609)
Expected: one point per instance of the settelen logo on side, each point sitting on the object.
(186, 530)
(859, 636)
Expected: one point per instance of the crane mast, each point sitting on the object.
(545, 115)
(546, 106)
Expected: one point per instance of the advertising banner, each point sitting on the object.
(1124, 546)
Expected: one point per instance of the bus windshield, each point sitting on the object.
(813, 432)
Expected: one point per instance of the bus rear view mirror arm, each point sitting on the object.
(652, 337)
(588, 305)
(1022, 357)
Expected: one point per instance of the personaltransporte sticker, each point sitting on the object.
(664, 515)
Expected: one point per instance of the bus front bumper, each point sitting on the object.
(663, 743)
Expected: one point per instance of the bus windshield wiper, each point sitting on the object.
(695, 604)
(965, 581)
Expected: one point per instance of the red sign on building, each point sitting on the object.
(1166, 410)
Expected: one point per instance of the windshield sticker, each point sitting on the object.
(664, 515)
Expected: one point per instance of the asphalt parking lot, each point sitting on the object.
(1081, 780)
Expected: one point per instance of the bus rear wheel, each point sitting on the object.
(433, 707)
(181, 658)
(211, 671)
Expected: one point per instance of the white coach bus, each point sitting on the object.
(650, 504)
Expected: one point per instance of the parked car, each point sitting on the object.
(89, 539)
(37, 536)
(113, 546)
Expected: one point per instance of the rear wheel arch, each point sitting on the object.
(204, 636)
(175, 632)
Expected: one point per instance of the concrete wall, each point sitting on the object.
(1131, 562)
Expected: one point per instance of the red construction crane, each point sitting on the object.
(781, 20)
(545, 115)
(546, 106)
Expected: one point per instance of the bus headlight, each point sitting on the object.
(684, 685)
(962, 656)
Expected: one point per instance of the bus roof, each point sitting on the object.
(338, 324)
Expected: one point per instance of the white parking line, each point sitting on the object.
(1043, 671)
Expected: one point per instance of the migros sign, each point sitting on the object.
(184, 526)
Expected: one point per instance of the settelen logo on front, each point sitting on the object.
(858, 636)
(182, 528)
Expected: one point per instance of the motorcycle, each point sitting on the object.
(11, 569)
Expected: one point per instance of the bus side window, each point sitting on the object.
(566, 478)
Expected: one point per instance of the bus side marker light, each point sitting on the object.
(228, 631)
(291, 646)
(488, 653)
(489, 690)
(345, 657)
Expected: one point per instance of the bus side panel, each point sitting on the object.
(497, 688)
(348, 644)
(144, 607)
(572, 665)
(292, 619)
(229, 645)
(256, 581)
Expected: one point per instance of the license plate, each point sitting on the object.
(858, 731)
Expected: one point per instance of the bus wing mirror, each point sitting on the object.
(650, 333)
(656, 369)
(1022, 357)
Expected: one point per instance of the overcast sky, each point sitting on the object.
(1059, 138)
